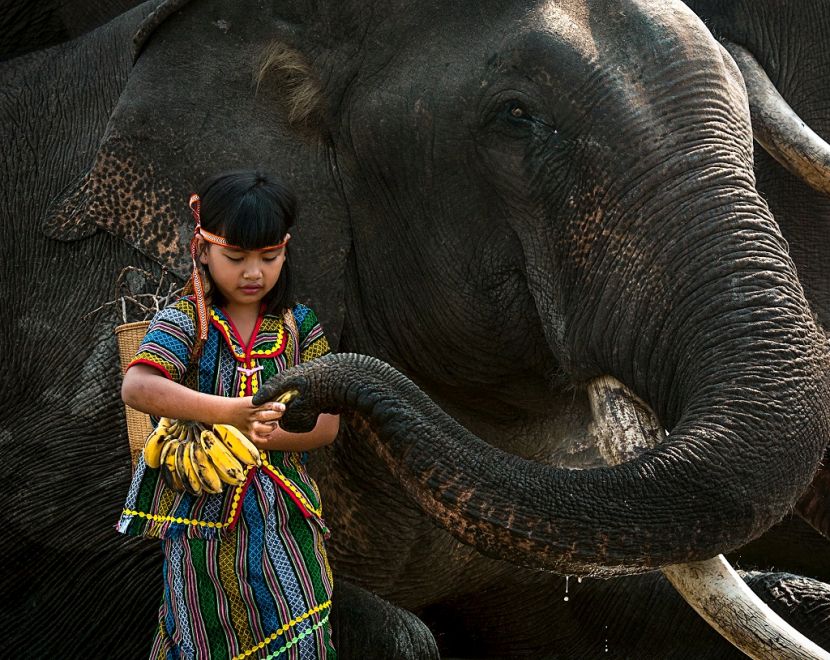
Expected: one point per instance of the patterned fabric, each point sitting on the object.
(245, 572)
(243, 597)
(153, 510)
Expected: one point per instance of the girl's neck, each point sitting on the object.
(244, 318)
(242, 312)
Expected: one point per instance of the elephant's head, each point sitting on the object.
(506, 200)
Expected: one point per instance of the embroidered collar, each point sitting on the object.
(268, 340)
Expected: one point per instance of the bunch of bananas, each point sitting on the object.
(197, 459)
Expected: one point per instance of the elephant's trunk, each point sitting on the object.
(711, 587)
(613, 520)
(712, 330)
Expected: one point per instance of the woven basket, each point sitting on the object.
(139, 426)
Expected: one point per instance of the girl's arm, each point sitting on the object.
(148, 390)
(274, 437)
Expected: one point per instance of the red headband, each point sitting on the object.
(196, 278)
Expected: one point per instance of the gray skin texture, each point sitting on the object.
(427, 239)
(29, 26)
(789, 40)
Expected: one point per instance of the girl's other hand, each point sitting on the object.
(257, 422)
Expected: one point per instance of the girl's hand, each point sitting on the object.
(257, 422)
(260, 425)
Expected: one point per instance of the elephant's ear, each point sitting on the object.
(69, 216)
(208, 93)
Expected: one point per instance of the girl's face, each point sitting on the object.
(243, 277)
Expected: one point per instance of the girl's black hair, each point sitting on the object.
(253, 210)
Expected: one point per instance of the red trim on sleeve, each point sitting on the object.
(152, 364)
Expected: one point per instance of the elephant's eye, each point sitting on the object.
(517, 111)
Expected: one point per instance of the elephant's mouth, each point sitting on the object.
(623, 427)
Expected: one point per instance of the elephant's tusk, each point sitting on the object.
(624, 426)
(777, 127)
(722, 598)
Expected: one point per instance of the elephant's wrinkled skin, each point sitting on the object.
(30, 26)
(502, 203)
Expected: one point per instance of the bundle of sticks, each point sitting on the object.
(136, 310)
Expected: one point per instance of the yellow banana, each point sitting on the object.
(192, 434)
(187, 470)
(238, 444)
(287, 396)
(208, 477)
(155, 443)
(184, 429)
(227, 467)
(168, 465)
(165, 448)
(178, 463)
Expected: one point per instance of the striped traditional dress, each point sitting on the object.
(245, 571)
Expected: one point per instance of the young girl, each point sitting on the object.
(245, 571)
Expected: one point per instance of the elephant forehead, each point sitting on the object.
(592, 27)
(573, 54)
(570, 22)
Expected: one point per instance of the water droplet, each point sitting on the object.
(579, 580)
(567, 578)
(566, 599)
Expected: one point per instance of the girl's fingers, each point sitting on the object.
(273, 406)
(267, 415)
(262, 429)
(262, 434)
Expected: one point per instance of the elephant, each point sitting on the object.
(502, 204)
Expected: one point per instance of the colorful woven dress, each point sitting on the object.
(245, 571)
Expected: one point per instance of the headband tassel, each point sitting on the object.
(196, 278)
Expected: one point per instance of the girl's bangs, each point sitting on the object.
(255, 223)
